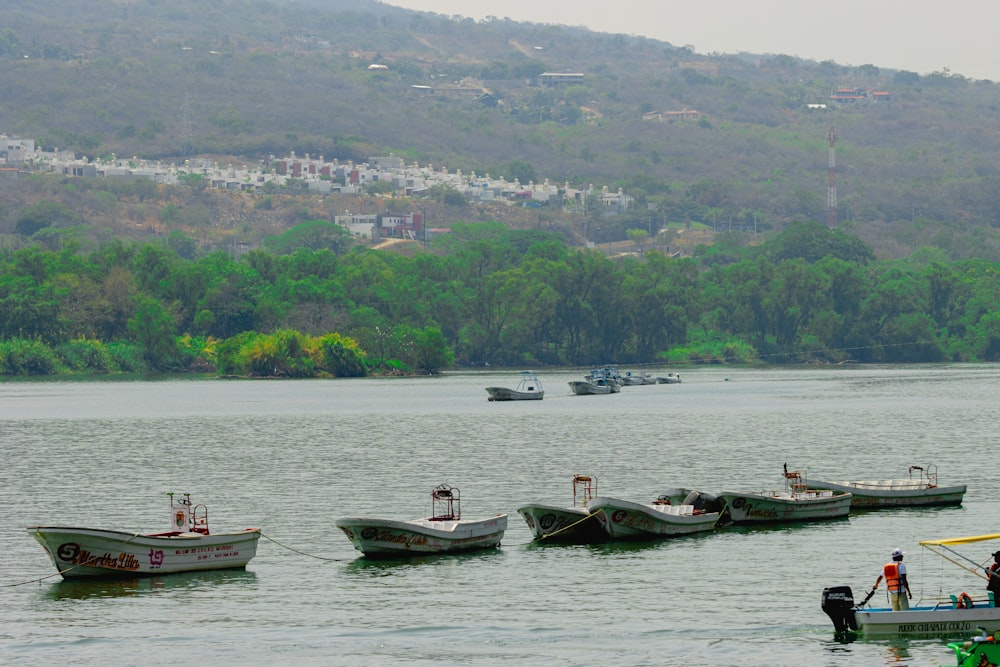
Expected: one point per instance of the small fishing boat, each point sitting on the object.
(529, 388)
(669, 378)
(598, 381)
(188, 546)
(956, 616)
(445, 531)
(623, 519)
(920, 490)
(796, 502)
(630, 379)
(982, 650)
(574, 524)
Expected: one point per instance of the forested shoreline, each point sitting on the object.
(488, 295)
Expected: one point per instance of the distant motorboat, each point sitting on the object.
(598, 381)
(529, 388)
(669, 378)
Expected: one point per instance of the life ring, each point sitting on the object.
(964, 601)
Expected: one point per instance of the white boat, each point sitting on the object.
(630, 379)
(959, 615)
(529, 388)
(921, 490)
(669, 378)
(795, 502)
(558, 523)
(623, 519)
(445, 531)
(598, 381)
(187, 547)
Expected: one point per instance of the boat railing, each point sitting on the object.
(584, 490)
(199, 519)
(446, 503)
(928, 474)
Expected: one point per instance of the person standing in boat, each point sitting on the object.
(993, 577)
(894, 574)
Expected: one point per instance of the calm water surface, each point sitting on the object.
(292, 456)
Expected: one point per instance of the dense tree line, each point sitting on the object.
(485, 294)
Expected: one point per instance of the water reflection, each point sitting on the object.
(115, 588)
(380, 566)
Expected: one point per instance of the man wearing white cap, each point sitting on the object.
(894, 574)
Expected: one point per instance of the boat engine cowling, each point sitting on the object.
(838, 604)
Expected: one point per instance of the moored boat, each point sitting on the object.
(188, 546)
(598, 381)
(669, 378)
(958, 615)
(630, 379)
(572, 524)
(796, 502)
(529, 388)
(445, 531)
(921, 490)
(623, 519)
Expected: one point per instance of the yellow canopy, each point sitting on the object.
(960, 540)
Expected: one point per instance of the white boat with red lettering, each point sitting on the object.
(80, 553)
(445, 531)
(623, 519)
(915, 490)
(796, 502)
(559, 523)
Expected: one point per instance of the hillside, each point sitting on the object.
(250, 79)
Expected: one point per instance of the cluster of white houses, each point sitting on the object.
(317, 175)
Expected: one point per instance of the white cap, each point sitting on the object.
(897, 552)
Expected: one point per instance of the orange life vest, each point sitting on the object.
(892, 579)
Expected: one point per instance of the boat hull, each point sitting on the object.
(562, 524)
(894, 493)
(942, 621)
(746, 508)
(389, 538)
(82, 553)
(623, 519)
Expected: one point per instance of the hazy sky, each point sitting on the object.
(921, 36)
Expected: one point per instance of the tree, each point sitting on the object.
(152, 329)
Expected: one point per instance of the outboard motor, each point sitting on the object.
(703, 501)
(838, 604)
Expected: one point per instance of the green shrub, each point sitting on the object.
(21, 356)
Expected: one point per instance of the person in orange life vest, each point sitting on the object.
(993, 578)
(894, 574)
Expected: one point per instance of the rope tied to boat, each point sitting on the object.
(565, 528)
(302, 553)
